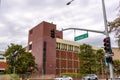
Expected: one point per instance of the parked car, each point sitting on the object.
(90, 77)
(63, 78)
(118, 78)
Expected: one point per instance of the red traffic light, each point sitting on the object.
(107, 45)
(106, 40)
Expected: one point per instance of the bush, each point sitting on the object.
(14, 77)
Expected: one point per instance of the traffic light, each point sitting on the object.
(107, 45)
(52, 33)
(109, 59)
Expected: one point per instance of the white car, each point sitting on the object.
(90, 77)
(63, 78)
(118, 78)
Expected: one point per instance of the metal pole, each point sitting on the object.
(102, 32)
(74, 33)
(107, 35)
(14, 70)
(0, 2)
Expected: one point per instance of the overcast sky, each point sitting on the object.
(17, 17)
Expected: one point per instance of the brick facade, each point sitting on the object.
(3, 64)
(116, 52)
(49, 59)
(43, 47)
(54, 55)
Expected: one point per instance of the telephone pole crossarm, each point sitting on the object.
(88, 30)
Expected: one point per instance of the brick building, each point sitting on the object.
(43, 47)
(66, 56)
(53, 55)
(116, 52)
(3, 63)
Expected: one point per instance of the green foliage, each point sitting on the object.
(101, 61)
(90, 60)
(27, 61)
(14, 77)
(21, 63)
(12, 48)
(115, 27)
(116, 66)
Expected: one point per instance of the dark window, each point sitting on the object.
(30, 47)
(1, 58)
(1, 71)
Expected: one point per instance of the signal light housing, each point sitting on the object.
(109, 60)
(52, 33)
(107, 45)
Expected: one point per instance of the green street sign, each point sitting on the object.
(81, 37)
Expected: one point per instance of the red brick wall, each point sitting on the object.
(56, 61)
(3, 65)
(51, 48)
(59, 34)
(66, 62)
(38, 35)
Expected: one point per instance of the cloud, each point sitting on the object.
(18, 17)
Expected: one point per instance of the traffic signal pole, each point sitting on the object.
(107, 35)
(105, 32)
(88, 30)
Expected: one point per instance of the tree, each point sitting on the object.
(21, 62)
(116, 66)
(115, 27)
(100, 58)
(88, 63)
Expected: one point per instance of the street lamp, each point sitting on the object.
(13, 55)
(69, 2)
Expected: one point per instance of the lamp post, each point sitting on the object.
(14, 58)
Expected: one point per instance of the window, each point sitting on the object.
(1, 54)
(2, 58)
(30, 47)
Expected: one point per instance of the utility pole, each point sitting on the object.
(0, 2)
(107, 35)
(14, 55)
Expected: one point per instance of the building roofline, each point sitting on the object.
(41, 23)
(67, 42)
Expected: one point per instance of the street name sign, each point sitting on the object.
(81, 37)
